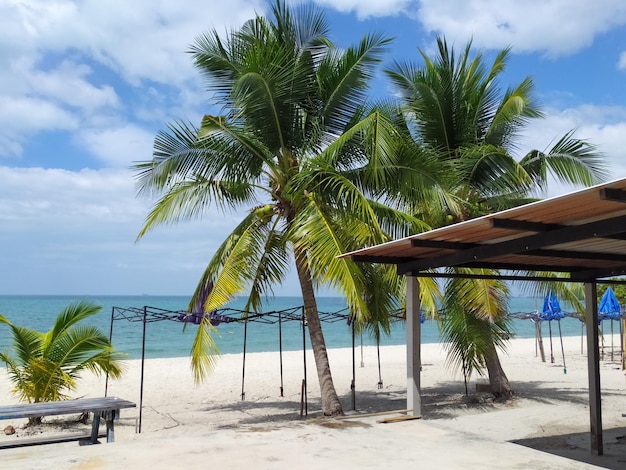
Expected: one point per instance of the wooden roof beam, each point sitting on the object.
(524, 225)
(441, 244)
(616, 195)
(520, 267)
(379, 259)
(594, 274)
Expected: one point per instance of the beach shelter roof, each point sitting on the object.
(581, 235)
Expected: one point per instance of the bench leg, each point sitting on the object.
(95, 427)
(110, 418)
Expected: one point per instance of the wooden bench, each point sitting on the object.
(105, 407)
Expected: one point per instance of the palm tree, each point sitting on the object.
(294, 146)
(454, 108)
(47, 364)
(474, 324)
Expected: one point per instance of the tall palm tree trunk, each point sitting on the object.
(331, 406)
(499, 382)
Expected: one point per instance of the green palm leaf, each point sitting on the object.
(570, 160)
(47, 364)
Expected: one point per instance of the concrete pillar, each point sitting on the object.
(593, 368)
(413, 346)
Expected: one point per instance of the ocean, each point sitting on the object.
(174, 339)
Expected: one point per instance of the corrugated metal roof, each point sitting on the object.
(582, 233)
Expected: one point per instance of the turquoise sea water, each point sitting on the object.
(170, 339)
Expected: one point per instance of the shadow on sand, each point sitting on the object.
(575, 446)
(445, 400)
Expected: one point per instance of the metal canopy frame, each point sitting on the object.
(581, 235)
(149, 314)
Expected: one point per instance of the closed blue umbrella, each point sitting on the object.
(552, 311)
(609, 309)
(609, 306)
(551, 308)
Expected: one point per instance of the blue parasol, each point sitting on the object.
(551, 308)
(609, 309)
(552, 311)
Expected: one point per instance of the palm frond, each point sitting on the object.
(68, 318)
(252, 255)
(190, 200)
(271, 265)
(490, 171)
(343, 77)
(485, 298)
(474, 320)
(204, 351)
(26, 341)
(570, 160)
(315, 232)
(175, 156)
(516, 108)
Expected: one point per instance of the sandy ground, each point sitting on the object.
(187, 426)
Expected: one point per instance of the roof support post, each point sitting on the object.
(593, 367)
(413, 347)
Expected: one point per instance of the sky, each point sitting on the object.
(86, 85)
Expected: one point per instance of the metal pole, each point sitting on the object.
(380, 378)
(106, 381)
(353, 384)
(243, 373)
(143, 362)
(562, 350)
(280, 347)
(611, 339)
(550, 330)
(621, 339)
(362, 363)
(306, 404)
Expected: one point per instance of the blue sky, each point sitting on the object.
(86, 84)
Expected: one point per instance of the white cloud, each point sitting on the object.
(68, 84)
(46, 198)
(621, 63)
(556, 27)
(50, 48)
(366, 8)
(118, 146)
(22, 116)
(142, 40)
(74, 232)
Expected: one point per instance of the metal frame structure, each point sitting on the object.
(580, 235)
(148, 314)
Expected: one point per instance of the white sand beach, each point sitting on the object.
(189, 426)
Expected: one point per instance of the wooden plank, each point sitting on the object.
(57, 439)
(31, 410)
(396, 419)
(367, 415)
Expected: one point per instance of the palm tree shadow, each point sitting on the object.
(269, 413)
(445, 400)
